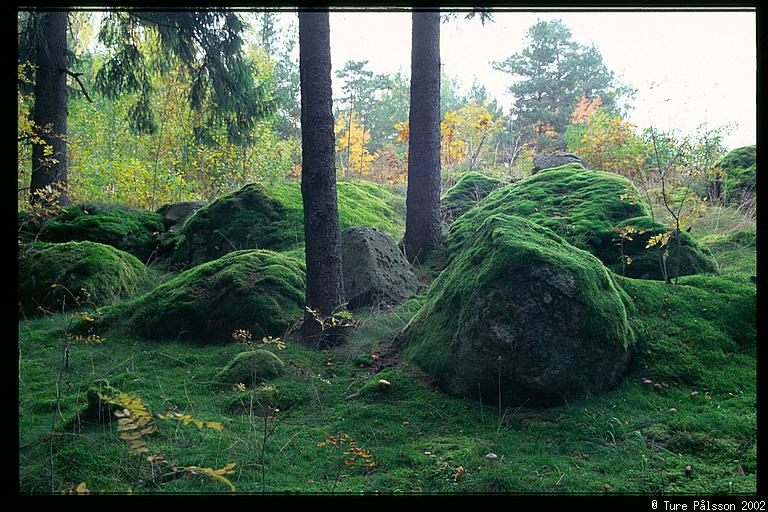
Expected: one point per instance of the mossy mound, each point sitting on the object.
(523, 313)
(583, 206)
(686, 332)
(251, 367)
(271, 217)
(129, 229)
(472, 188)
(644, 263)
(76, 274)
(740, 173)
(258, 290)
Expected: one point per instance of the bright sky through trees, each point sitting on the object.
(688, 67)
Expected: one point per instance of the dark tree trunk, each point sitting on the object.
(325, 286)
(50, 110)
(422, 219)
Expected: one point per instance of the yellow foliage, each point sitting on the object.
(351, 139)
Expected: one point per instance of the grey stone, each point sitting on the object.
(375, 271)
(556, 159)
(175, 214)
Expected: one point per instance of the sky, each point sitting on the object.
(689, 68)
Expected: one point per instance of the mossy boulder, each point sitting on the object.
(258, 290)
(129, 229)
(271, 217)
(645, 263)
(375, 271)
(584, 206)
(76, 274)
(251, 367)
(472, 188)
(739, 177)
(522, 309)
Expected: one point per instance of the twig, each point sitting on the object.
(77, 76)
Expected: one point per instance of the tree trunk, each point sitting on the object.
(422, 220)
(325, 287)
(50, 110)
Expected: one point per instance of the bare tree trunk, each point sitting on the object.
(50, 110)
(325, 288)
(422, 220)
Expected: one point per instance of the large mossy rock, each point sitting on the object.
(522, 309)
(251, 367)
(272, 217)
(375, 271)
(129, 229)
(258, 290)
(472, 188)
(645, 263)
(585, 207)
(76, 274)
(739, 174)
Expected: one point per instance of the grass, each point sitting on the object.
(626, 438)
(729, 234)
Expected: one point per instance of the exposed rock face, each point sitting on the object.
(375, 271)
(556, 159)
(523, 313)
(175, 214)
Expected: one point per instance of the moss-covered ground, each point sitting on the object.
(634, 439)
(691, 430)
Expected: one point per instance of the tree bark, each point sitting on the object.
(50, 110)
(325, 286)
(422, 219)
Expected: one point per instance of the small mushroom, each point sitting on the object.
(383, 384)
(491, 456)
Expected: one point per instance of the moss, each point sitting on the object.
(583, 206)
(251, 367)
(388, 195)
(695, 258)
(271, 217)
(740, 173)
(258, 290)
(734, 252)
(739, 158)
(472, 188)
(518, 288)
(687, 332)
(105, 273)
(129, 229)
(402, 385)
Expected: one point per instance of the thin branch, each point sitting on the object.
(77, 76)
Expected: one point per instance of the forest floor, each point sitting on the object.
(635, 439)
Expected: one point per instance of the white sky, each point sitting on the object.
(688, 67)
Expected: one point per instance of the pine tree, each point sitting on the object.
(422, 221)
(553, 72)
(325, 286)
